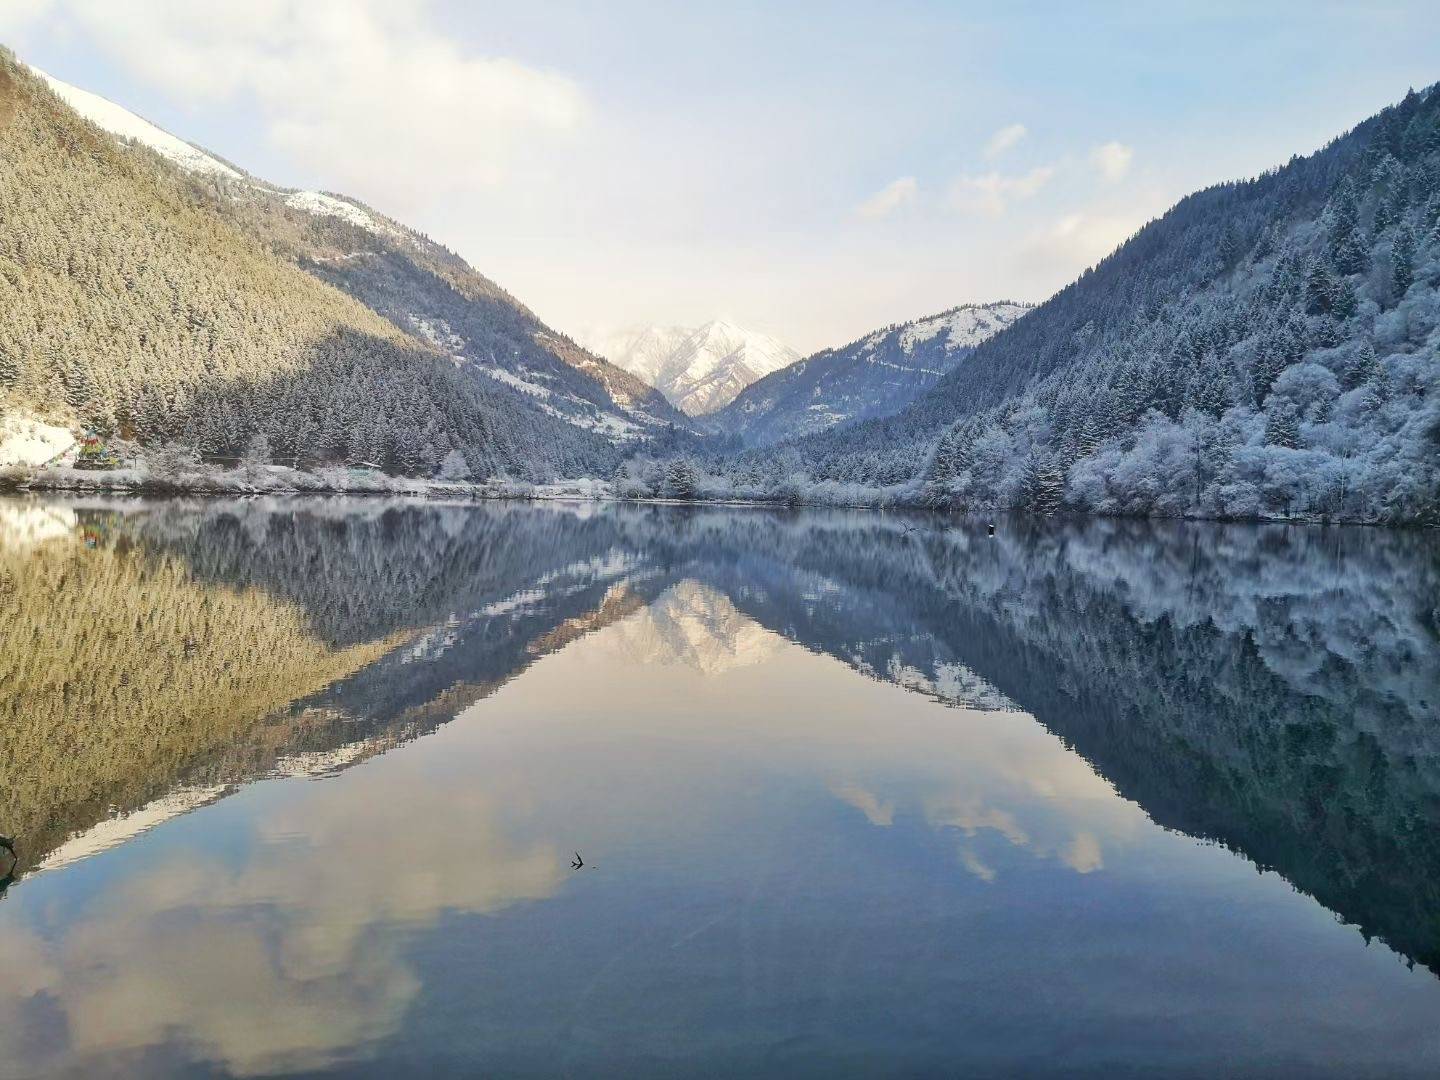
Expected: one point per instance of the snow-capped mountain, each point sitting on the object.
(421, 287)
(875, 376)
(699, 369)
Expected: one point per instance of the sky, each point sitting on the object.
(810, 170)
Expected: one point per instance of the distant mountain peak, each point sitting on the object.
(699, 369)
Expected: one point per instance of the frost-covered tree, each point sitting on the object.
(681, 480)
(454, 467)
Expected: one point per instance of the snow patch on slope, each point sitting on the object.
(121, 122)
(322, 205)
(964, 327)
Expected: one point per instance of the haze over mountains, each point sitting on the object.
(698, 369)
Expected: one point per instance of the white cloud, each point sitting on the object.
(1003, 140)
(1080, 240)
(992, 193)
(17, 15)
(891, 197)
(371, 93)
(1112, 160)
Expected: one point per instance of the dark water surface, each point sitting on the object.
(297, 788)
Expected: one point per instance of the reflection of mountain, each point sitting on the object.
(119, 671)
(153, 657)
(1268, 688)
(699, 627)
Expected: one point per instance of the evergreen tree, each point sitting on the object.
(1091, 435)
(1208, 387)
(1229, 247)
(1319, 288)
(1347, 251)
(1282, 426)
(681, 481)
(9, 369)
(1362, 369)
(1042, 484)
(1402, 261)
(1344, 300)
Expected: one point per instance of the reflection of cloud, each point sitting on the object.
(1017, 782)
(973, 863)
(292, 956)
(1083, 854)
(876, 812)
(1046, 838)
(971, 819)
(694, 625)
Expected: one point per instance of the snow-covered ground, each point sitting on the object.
(276, 479)
(26, 440)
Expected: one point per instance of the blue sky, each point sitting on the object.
(812, 170)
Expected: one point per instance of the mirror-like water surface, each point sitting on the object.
(301, 787)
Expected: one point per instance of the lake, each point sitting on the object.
(389, 788)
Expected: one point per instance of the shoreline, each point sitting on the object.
(127, 482)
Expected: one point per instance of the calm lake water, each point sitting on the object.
(297, 787)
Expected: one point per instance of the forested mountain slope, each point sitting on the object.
(1264, 348)
(875, 376)
(170, 296)
(430, 292)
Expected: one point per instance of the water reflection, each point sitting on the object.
(740, 718)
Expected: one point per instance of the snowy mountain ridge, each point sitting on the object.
(874, 376)
(122, 123)
(699, 369)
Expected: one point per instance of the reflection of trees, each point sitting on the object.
(358, 570)
(171, 646)
(118, 671)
